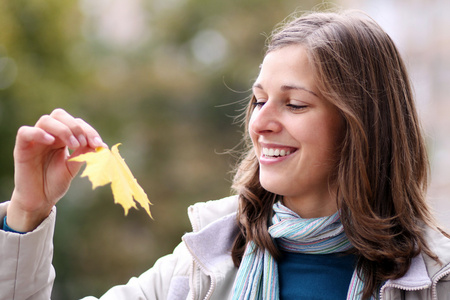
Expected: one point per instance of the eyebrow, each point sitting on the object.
(287, 88)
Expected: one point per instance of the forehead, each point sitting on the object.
(287, 66)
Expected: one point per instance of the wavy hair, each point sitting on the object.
(382, 168)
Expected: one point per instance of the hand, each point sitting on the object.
(42, 171)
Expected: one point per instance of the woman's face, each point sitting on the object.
(295, 133)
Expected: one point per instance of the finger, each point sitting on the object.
(84, 133)
(59, 130)
(27, 135)
(72, 123)
(93, 139)
(31, 138)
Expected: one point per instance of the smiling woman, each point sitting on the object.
(331, 186)
(334, 93)
(291, 117)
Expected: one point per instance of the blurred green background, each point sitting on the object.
(167, 78)
(163, 77)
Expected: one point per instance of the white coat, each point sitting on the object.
(199, 268)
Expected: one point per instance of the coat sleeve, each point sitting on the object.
(26, 270)
(167, 279)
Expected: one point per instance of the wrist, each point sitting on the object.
(6, 227)
(20, 220)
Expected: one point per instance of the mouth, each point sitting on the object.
(277, 152)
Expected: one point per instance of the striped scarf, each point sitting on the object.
(257, 277)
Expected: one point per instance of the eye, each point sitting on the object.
(294, 107)
(258, 103)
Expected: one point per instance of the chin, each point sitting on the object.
(273, 186)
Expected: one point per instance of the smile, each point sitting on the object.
(275, 152)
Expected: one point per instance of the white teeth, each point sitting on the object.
(275, 152)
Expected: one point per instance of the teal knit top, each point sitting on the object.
(315, 277)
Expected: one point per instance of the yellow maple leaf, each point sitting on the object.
(107, 166)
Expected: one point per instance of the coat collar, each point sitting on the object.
(211, 242)
(215, 228)
(416, 278)
(424, 271)
(211, 246)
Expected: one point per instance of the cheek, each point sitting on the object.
(334, 136)
(332, 126)
(324, 135)
(337, 130)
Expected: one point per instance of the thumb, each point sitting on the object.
(75, 166)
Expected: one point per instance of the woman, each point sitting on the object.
(330, 195)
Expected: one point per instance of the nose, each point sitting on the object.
(265, 119)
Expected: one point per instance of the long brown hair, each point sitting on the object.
(383, 167)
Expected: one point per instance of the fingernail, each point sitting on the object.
(82, 140)
(73, 142)
(49, 138)
(98, 142)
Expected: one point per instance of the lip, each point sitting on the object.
(287, 152)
